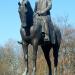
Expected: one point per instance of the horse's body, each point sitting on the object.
(31, 34)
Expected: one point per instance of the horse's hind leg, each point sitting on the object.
(46, 51)
(55, 54)
(25, 50)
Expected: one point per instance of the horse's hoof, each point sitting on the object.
(25, 73)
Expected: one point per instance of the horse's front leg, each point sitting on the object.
(25, 50)
(35, 48)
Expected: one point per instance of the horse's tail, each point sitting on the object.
(57, 35)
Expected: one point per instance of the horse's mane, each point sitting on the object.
(29, 14)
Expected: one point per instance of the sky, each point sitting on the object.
(10, 21)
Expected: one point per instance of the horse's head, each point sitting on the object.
(26, 13)
(22, 12)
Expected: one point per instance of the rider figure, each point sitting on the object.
(42, 8)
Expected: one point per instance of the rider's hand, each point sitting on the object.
(38, 12)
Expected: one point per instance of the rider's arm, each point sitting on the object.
(49, 6)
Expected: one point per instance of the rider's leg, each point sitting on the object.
(51, 31)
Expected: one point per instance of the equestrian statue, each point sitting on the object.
(37, 29)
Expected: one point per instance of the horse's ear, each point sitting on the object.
(19, 3)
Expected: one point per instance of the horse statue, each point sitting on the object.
(31, 33)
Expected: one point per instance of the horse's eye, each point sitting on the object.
(25, 5)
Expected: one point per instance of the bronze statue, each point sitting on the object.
(32, 33)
